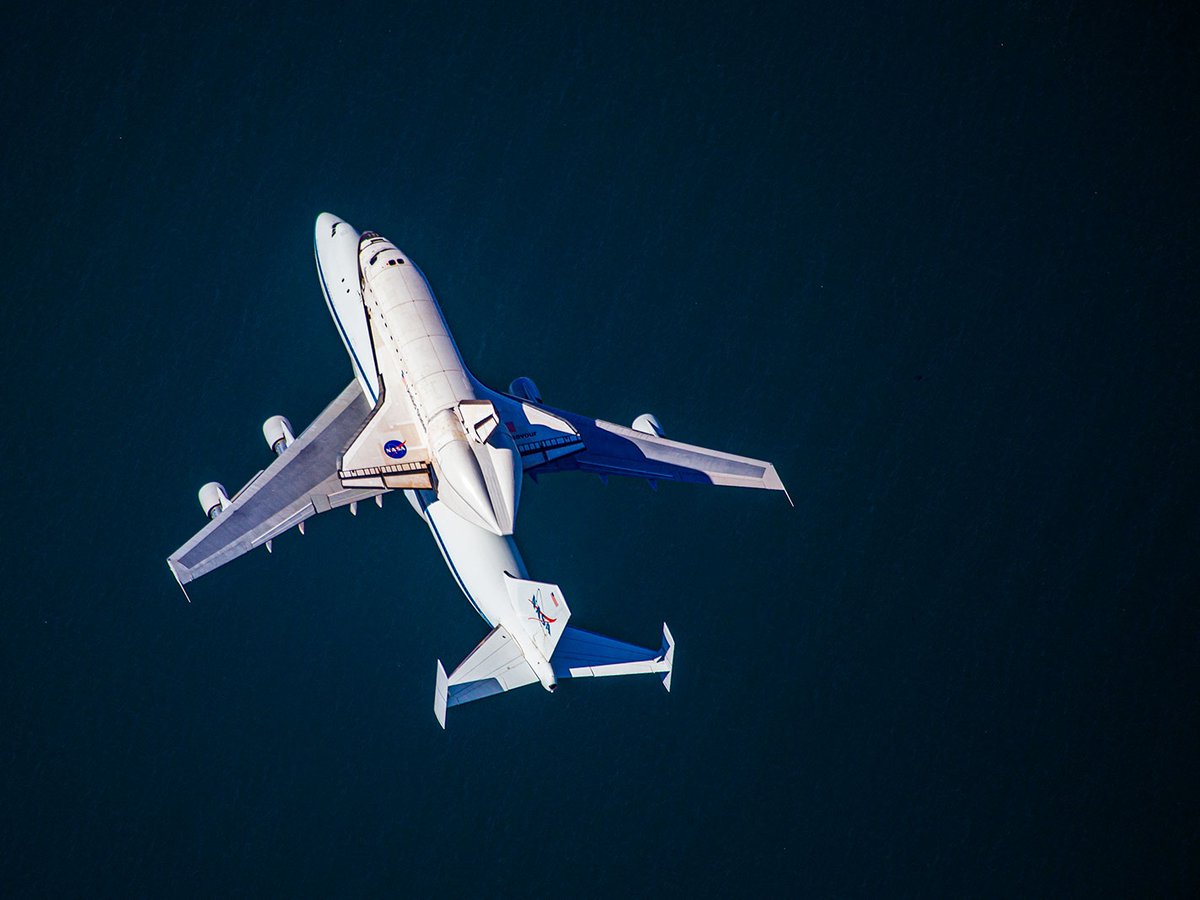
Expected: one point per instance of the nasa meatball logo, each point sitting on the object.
(544, 620)
(395, 449)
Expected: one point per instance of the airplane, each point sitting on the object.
(414, 419)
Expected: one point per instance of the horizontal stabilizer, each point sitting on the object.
(300, 483)
(582, 654)
(495, 666)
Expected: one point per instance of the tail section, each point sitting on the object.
(495, 666)
(582, 654)
(542, 610)
(508, 659)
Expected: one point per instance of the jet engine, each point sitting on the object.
(278, 432)
(647, 423)
(524, 388)
(213, 499)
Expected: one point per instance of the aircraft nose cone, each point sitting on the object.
(327, 224)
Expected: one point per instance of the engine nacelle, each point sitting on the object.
(524, 388)
(278, 432)
(646, 423)
(213, 499)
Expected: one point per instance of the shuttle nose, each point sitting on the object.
(376, 254)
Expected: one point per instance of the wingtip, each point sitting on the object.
(178, 580)
(441, 693)
(772, 481)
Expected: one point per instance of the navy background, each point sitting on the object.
(938, 264)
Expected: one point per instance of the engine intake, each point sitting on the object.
(213, 499)
(278, 432)
(647, 423)
(524, 388)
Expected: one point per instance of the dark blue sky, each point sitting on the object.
(939, 265)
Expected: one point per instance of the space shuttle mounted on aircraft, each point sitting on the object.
(415, 420)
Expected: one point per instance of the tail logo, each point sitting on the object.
(544, 620)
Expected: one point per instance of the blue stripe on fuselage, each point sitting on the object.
(345, 337)
(446, 555)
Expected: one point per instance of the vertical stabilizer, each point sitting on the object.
(542, 610)
(440, 694)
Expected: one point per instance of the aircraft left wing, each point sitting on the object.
(300, 483)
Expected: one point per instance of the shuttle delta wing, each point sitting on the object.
(610, 449)
(540, 435)
(300, 483)
(391, 450)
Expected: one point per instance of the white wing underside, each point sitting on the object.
(300, 483)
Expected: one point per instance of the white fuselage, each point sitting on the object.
(407, 346)
(412, 344)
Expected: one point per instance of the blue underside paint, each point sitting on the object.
(473, 690)
(583, 649)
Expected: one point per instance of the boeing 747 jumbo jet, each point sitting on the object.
(414, 419)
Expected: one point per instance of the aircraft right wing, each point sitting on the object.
(300, 483)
